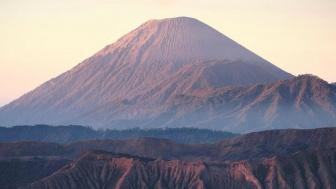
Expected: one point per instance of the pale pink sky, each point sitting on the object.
(40, 39)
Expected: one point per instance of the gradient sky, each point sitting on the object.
(40, 39)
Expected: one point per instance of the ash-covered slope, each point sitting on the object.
(142, 59)
(97, 169)
(218, 73)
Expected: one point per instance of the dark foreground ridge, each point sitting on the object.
(107, 170)
(243, 155)
(71, 133)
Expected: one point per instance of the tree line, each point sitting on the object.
(71, 133)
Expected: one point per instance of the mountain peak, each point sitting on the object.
(175, 19)
(179, 39)
(309, 78)
(171, 21)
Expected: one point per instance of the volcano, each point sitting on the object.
(143, 69)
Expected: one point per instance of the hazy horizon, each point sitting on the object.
(40, 40)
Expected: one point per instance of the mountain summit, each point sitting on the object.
(178, 39)
(182, 41)
(159, 59)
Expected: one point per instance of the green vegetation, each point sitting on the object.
(65, 134)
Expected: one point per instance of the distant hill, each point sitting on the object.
(334, 83)
(71, 133)
(264, 144)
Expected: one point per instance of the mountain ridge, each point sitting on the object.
(259, 145)
(305, 101)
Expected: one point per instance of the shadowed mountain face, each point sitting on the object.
(311, 168)
(17, 172)
(159, 59)
(295, 158)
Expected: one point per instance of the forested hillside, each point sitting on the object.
(65, 134)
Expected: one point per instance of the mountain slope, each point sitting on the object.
(147, 56)
(108, 170)
(301, 102)
(218, 73)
